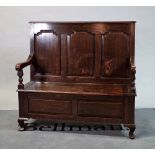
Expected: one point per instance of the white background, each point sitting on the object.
(14, 43)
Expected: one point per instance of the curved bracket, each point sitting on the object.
(19, 67)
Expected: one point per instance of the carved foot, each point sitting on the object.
(131, 131)
(21, 123)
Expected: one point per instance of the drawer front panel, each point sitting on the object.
(100, 109)
(50, 106)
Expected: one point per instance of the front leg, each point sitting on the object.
(132, 128)
(22, 124)
(131, 132)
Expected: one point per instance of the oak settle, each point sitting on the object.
(80, 72)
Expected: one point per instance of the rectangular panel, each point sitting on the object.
(100, 109)
(115, 54)
(52, 107)
(47, 52)
(80, 54)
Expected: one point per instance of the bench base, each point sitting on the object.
(95, 106)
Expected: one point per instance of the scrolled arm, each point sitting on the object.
(19, 67)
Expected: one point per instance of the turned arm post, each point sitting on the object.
(19, 68)
(132, 75)
(20, 79)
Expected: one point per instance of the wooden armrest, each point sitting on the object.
(21, 65)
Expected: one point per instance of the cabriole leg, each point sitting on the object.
(131, 130)
(22, 124)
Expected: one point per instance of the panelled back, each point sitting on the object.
(81, 52)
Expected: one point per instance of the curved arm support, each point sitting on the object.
(19, 67)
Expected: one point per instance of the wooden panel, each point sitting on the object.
(47, 52)
(52, 107)
(100, 109)
(115, 54)
(63, 54)
(80, 54)
(117, 27)
(97, 55)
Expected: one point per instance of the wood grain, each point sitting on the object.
(80, 72)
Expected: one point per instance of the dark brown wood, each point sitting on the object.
(21, 122)
(81, 72)
(20, 80)
(132, 128)
(19, 67)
